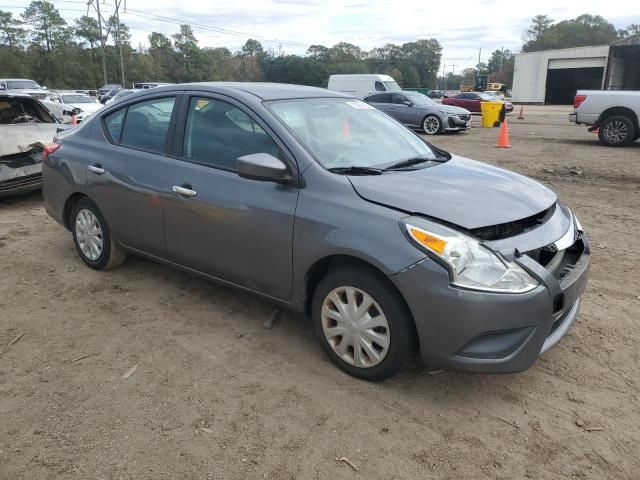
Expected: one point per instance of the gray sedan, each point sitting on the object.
(418, 111)
(322, 204)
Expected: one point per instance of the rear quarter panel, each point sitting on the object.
(64, 172)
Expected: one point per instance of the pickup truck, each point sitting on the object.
(613, 113)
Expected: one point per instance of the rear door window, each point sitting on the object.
(146, 124)
(113, 122)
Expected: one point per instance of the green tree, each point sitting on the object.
(498, 59)
(425, 56)
(48, 28)
(318, 52)
(252, 48)
(580, 31)
(11, 32)
(630, 31)
(86, 28)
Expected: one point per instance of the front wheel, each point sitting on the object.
(617, 131)
(431, 125)
(362, 323)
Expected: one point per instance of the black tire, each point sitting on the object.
(402, 335)
(429, 124)
(617, 131)
(112, 253)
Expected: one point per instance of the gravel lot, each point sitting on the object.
(217, 396)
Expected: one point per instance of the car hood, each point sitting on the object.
(461, 192)
(451, 109)
(86, 107)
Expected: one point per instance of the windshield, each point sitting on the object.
(123, 93)
(77, 99)
(349, 133)
(392, 86)
(419, 98)
(22, 84)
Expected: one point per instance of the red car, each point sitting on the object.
(472, 100)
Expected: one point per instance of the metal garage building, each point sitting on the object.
(553, 76)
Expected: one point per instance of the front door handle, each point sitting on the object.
(97, 169)
(187, 192)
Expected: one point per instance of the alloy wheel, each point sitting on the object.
(431, 125)
(355, 327)
(616, 131)
(89, 234)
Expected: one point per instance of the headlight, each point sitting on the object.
(470, 264)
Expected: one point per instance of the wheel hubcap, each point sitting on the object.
(431, 125)
(616, 132)
(89, 234)
(355, 327)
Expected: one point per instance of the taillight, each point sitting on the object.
(49, 149)
(578, 100)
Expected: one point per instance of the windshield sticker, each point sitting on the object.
(361, 106)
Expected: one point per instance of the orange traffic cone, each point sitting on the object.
(503, 139)
(521, 114)
(74, 120)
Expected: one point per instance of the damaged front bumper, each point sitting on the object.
(485, 332)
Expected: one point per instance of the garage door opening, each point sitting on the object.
(562, 83)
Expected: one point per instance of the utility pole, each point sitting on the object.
(443, 80)
(105, 35)
(102, 40)
(118, 3)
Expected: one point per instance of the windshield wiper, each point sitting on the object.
(354, 170)
(409, 162)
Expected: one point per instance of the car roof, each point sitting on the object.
(17, 79)
(4, 93)
(262, 90)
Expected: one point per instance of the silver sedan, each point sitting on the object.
(418, 111)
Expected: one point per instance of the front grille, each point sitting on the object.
(21, 182)
(510, 229)
(558, 262)
(22, 159)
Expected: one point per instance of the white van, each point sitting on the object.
(361, 85)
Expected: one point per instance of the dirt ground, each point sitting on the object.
(217, 396)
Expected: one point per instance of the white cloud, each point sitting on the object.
(462, 26)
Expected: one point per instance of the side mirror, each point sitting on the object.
(262, 166)
(407, 103)
(45, 88)
(3, 87)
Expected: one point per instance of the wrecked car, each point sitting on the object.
(26, 127)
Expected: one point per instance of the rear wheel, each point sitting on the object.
(362, 323)
(617, 131)
(92, 237)
(431, 125)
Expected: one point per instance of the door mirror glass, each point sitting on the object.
(262, 166)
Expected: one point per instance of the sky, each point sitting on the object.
(462, 27)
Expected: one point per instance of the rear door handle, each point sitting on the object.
(187, 192)
(97, 169)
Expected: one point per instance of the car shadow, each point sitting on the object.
(292, 339)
